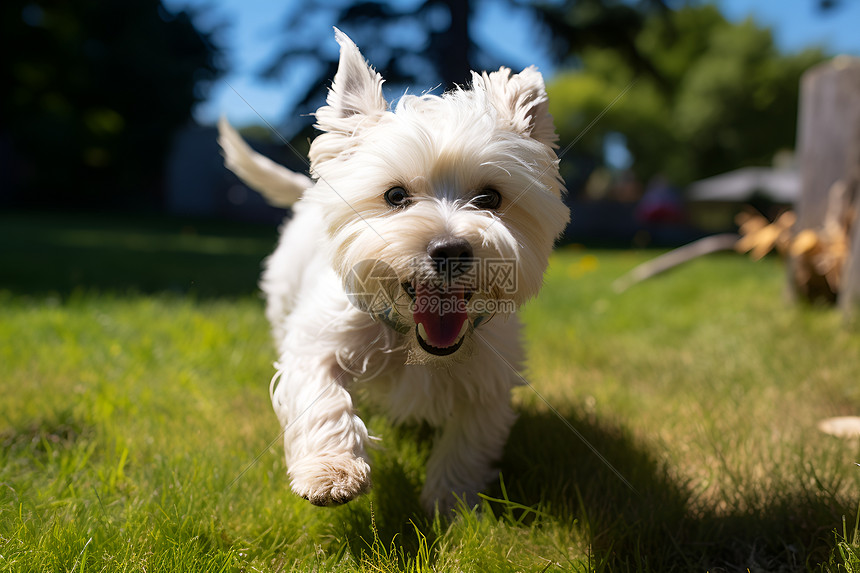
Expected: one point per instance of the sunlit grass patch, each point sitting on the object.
(676, 430)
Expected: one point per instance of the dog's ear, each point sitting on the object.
(355, 94)
(520, 100)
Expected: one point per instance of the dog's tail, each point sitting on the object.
(280, 186)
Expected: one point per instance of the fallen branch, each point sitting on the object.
(679, 256)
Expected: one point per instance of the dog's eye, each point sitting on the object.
(397, 197)
(487, 199)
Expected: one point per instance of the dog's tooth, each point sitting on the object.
(421, 331)
(463, 329)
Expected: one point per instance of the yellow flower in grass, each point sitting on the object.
(585, 265)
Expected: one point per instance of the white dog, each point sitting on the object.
(419, 225)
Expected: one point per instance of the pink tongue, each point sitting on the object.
(442, 312)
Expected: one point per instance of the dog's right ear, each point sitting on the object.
(356, 92)
(521, 102)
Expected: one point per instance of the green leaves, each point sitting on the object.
(725, 97)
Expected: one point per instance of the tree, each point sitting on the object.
(577, 25)
(715, 96)
(428, 42)
(92, 94)
(425, 44)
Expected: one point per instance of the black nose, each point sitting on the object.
(451, 256)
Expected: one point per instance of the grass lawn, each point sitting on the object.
(136, 431)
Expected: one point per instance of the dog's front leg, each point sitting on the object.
(462, 460)
(323, 438)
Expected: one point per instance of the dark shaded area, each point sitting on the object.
(39, 437)
(659, 526)
(656, 526)
(198, 184)
(92, 95)
(612, 224)
(396, 509)
(55, 254)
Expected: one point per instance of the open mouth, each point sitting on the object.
(434, 350)
(440, 316)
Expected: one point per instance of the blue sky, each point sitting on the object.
(251, 38)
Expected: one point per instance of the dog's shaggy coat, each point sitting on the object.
(407, 207)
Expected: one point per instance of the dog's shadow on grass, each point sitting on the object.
(634, 513)
(392, 513)
(639, 517)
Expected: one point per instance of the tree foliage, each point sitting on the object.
(577, 25)
(92, 94)
(429, 42)
(426, 43)
(715, 96)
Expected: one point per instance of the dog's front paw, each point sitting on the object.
(330, 480)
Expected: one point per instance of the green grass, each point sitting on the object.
(134, 369)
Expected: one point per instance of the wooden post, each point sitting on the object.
(828, 144)
(849, 292)
(849, 296)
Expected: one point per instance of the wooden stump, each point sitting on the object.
(829, 152)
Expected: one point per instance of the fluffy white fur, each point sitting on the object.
(444, 151)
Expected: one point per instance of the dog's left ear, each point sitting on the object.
(355, 94)
(521, 101)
